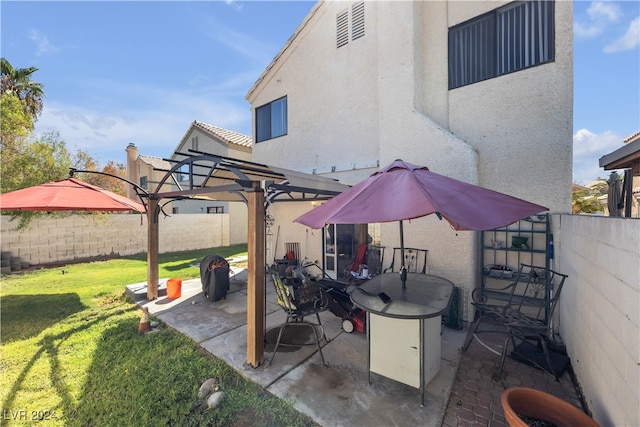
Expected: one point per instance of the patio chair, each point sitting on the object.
(415, 260)
(300, 299)
(360, 257)
(522, 310)
(292, 252)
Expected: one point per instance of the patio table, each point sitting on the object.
(398, 330)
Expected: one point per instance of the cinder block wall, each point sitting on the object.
(600, 310)
(80, 237)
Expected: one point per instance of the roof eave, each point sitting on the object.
(284, 48)
(623, 157)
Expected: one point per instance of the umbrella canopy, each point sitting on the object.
(614, 195)
(67, 195)
(404, 191)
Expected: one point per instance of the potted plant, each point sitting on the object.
(523, 405)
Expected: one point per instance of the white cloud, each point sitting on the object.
(604, 11)
(586, 30)
(234, 4)
(588, 148)
(629, 41)
(600, 15)
(43, 45)
(155, 126)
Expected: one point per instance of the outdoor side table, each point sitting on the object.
(403, 335)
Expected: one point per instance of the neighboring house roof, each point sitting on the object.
(623, 157)
(224, 135)
(632, 137)
(156, 162)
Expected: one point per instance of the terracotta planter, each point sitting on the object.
(541, 406)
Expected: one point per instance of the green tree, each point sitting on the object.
(18, 82)
(84, 161)
(15, 124)
(34, 161)
(585, 199)
(26, 161)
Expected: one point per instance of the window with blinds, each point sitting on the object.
(271, 120)
(517, 36)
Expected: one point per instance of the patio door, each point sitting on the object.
(339, 243)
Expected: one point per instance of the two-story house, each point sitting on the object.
(203, 137)
(480, 91)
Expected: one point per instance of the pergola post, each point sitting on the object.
(153, 247)
(255, 282)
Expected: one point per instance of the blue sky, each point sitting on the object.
(117, 72)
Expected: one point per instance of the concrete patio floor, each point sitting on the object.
(340, 395)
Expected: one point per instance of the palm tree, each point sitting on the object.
(18, 82)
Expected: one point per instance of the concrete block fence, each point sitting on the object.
(50, 240)
(600, 311)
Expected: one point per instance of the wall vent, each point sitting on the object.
(342, 27)
(353, 21)
(357, 21)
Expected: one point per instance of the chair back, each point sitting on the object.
(299, 299)
(415, 260)
(536, 292)
(283, 293)
(361, 256)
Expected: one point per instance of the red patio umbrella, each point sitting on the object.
(67, 195)
(404, 191)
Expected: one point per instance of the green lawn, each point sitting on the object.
(71, 354)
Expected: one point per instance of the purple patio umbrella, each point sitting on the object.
(404, 191)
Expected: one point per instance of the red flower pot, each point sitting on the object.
(535, 404)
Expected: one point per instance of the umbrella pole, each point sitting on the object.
(403, 269)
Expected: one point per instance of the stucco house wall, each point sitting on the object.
(384, 96)
(530, 158)
(141, 168)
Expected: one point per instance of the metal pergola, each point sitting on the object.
(203, 176)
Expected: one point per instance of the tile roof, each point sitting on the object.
(228, 136)
(632, 137)
(156, 162)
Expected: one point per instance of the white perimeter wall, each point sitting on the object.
(599, 311)
(79, 237)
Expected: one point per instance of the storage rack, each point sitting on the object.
(496, 249)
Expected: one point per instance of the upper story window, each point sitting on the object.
(144, 183)
(356, 24)
(511, 38)
(182, 173)
(215, 209)
(271, 120)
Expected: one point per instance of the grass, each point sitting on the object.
(71, 354)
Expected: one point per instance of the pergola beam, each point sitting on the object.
(247, 184)
(255, 282)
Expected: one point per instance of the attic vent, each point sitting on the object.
(342, 26)
(356, 24)
(357, 21)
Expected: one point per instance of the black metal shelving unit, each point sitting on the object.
(497, 249)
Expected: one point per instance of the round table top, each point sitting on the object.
(424, 296)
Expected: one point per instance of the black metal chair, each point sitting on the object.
(300, 299)
(522, 310)
(415, 260)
